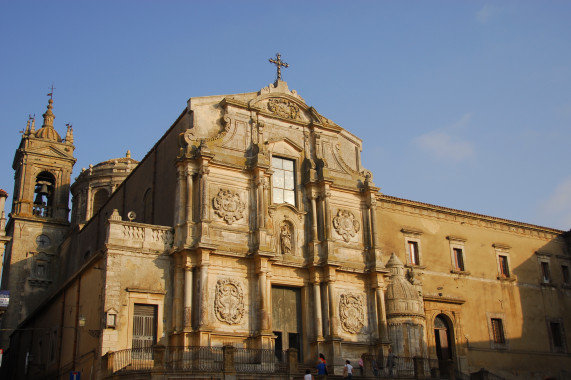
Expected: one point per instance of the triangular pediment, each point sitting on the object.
(50, 150)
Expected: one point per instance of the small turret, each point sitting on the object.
(69, 134)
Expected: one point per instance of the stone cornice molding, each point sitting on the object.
(443, 299)
(427, 210)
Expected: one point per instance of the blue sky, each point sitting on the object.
(460, 104)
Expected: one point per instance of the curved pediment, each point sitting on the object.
(278, 101)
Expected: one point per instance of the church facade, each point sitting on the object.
(252, 223)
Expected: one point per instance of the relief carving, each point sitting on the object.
(229, 301)
(285, 238)
(228, 205)
(345, 224)
(351, 312)
(283, 108)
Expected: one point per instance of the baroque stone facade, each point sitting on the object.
(252, 222)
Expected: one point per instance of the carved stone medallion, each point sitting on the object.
(283, 108)
(229, 301)
(228, 205)
(351, 312)
(346, 225)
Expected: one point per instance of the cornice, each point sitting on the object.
(427, 210)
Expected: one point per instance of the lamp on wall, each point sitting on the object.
(81, 320)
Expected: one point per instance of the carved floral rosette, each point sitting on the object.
(345, 224)
(228, 205)
(283, 108)
(351, 312)
(229, 301)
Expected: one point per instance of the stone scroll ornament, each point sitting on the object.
(351, 312)
(228, 205)
(345, 224)
(283, 108)
(229, 301)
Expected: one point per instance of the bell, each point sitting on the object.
(44, 190)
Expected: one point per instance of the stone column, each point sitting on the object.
(333, 320)
(179, 198)
(203, 317)
(178, 295)
(317, 302)
(326, 212)
(188, 279)
(314, 217)
(261, 201)
(381, 314)
(204, 193)
(189, 193)
(326, 313)
(88, 204)
(263, 296)
(374, 236)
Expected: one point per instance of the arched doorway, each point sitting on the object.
(444, 345)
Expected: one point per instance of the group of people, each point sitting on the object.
(322, 371)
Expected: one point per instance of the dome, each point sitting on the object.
(401, 296)
(48, 133)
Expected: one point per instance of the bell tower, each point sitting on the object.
(38, 222)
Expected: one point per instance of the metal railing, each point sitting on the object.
(199, 359)
(405, 367)
(260, 360)
(132, 360)
(195, 358)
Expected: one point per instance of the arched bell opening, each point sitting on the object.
(44, 190)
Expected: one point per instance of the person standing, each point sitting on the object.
(321, 367)
(348, 370)
(391, 361)
(308, 375)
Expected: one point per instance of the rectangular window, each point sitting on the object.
(283, 181)
(414, 256)
(504, 267)
(545, 273)
(565, 273)
(556, 336)
(458, 259)
(498, 331)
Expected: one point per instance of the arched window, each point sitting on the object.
(44, 189)
(99, 199)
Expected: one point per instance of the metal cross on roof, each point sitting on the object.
(278, 62)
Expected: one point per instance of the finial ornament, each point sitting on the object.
(279, 63)
(51, 93)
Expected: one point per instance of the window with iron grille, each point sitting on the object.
(283, 181)
(498, 330)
